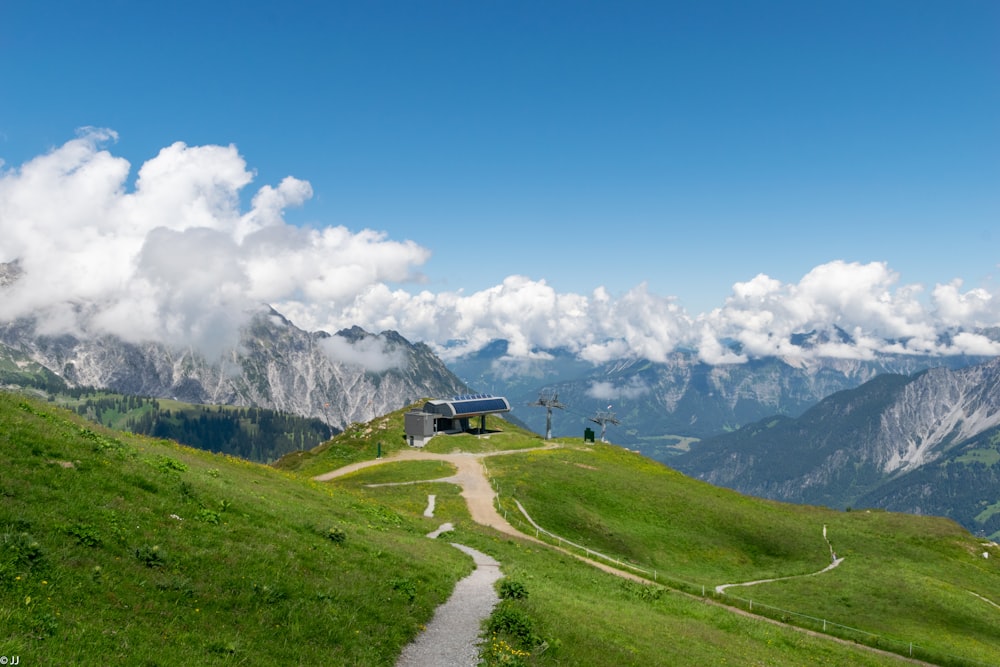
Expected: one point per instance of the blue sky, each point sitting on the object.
(686, 146)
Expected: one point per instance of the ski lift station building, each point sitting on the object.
(450, 415)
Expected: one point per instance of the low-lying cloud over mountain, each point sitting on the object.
(175, 258)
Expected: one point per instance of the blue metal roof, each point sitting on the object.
(478, 406)
(469, 405)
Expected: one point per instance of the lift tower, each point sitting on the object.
(604, 417)
(549, 401)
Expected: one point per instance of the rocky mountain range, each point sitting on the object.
(927, 443)
(914, 434)
(662, 406)
(347, 377)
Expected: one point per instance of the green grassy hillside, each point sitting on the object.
(914, 585)
(121, 549)
(256, 434)
(118, 549)
(905, 579)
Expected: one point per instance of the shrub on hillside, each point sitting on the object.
(511, 589)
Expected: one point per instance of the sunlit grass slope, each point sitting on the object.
(117, 549)
(905, 578)
(580, 615)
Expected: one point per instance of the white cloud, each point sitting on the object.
(977, 307)
(370, 353)
(530, 365)
(863, 300)
(603, 391)
(609, 391)
(175, 259)
(975, 344)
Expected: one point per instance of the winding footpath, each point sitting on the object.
(722, 587)
(470, 476)
(452, 636)
(477, 491)
(835, 562)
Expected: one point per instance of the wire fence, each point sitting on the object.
(523, 521)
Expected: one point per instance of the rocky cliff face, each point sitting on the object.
(923, 443)
(938, 409)
(348, 377)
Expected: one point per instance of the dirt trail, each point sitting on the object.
(834, 562)
(470, 476)
(477, 491)
(721, 588)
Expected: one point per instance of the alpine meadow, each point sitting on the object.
(118, 547)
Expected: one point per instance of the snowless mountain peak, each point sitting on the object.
(338, 379)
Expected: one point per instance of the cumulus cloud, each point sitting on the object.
(175, 259)
(864, 301)
(975, 308)
(838, 309)
(528, 313)
(370, 353)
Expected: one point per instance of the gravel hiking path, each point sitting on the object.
(452, 637)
